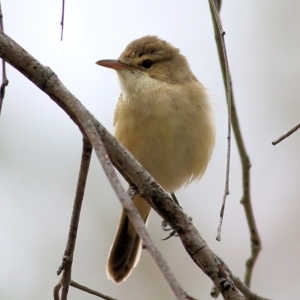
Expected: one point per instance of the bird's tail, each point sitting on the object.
(126, 249)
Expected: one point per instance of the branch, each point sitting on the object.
(245, 161)
(202, 255)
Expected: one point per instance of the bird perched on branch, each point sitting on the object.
(164, 118)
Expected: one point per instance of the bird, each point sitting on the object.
(164, 117)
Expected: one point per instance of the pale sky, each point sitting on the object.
(40, 147)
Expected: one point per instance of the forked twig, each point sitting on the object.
(245, 161)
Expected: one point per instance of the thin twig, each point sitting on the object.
(287, 134)
(48, 82)
(62, 22)
(245, 161)
(66, 266)
(4, 78)
(90, 291)
(220, 36)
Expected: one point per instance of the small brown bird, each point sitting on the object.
(164, 118)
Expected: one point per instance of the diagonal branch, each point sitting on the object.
(245, 161)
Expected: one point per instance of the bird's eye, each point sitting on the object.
(147, 63)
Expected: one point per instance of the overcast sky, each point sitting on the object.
(40, 147)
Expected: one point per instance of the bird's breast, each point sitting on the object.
(171, 138)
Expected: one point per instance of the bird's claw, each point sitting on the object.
(172, 233)
(166, 227)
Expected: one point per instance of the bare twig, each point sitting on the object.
(66, 266)
(4, 78)
(287, 134)
(62, 22)
(220, 37)
(90, 291)
(245, 161)
(47, 81)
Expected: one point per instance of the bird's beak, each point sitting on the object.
(114, 64)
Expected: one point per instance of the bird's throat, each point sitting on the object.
(139, 88)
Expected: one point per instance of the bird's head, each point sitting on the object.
(149, 63)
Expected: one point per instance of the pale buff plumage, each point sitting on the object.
(164, 118)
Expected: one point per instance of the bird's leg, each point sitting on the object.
(133, 190)
(165, 226)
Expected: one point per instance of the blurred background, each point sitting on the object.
(40, 147)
